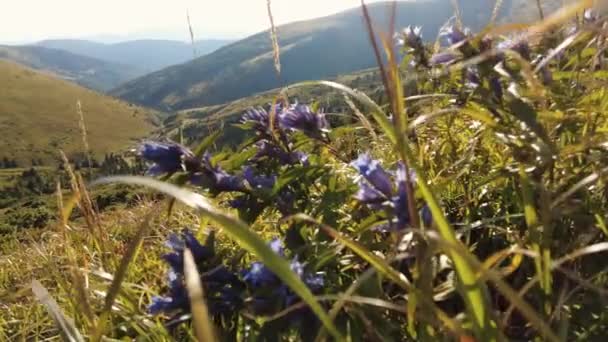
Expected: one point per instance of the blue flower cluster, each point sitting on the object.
(379, 192)
(256, 289)
(273, 144)
(460, 44)
(167, 157)
(269, 293)
(222, 287)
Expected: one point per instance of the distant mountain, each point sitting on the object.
(149, 55)
(86, 71)
(527, 10)
(313, 49)
(38, 117)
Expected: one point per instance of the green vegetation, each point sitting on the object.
(197, 123)
(27, 195)
(463, 199)
(38, 116)
(89, 72)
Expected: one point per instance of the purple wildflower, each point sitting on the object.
(411, 37)
(222, 287)
(258, 118)
(400, 201)
(472, 79)
(225, 301)
(301, 118)
(453, 34)
(258, 182)
(393, 200)
(285, 202)
(277, 246)
(166, 157)
(216, 179)
(239, 202)
(368, 194)
(314, 281)
(373, 172)
(259, 275)
(427, 216)
(496, 87)
(177, 298)
(178, 244)
(442, 58)
(517, 43)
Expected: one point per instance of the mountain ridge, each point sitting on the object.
(87, 71)
(310, 49)
(147, 54)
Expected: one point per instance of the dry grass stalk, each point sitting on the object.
(275, 40)
(83, 133)
(195, 54)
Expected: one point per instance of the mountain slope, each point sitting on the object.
(527, 11)
(86, 71)
(149, 55)
(38, 116)
(313, 49)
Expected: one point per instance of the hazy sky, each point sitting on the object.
(31, 20)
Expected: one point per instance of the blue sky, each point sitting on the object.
(32, 20)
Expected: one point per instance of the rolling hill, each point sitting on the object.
(148, 55)
(318, 48)
(38, 116)
(89, 72)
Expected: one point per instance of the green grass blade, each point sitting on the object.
(473, 291)
(203, 325)
(501, 285)
(206, 143)
(66, 327)
(243, 235)
(533, 226)
(385, 269)
(121, 272)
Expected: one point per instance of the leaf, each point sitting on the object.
(203, 325)
(526, 113)
(66, 326)
(293, 174)
(237, 160)
(383, 268)
(242, 234)
(206, 143)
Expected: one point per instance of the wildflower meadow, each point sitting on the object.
(467, 204)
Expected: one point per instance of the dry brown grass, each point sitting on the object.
(37, 117)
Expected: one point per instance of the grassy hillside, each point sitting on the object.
(89, 72)
(38, 116)
(197, 123)
(147, 54)
(314, 49)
